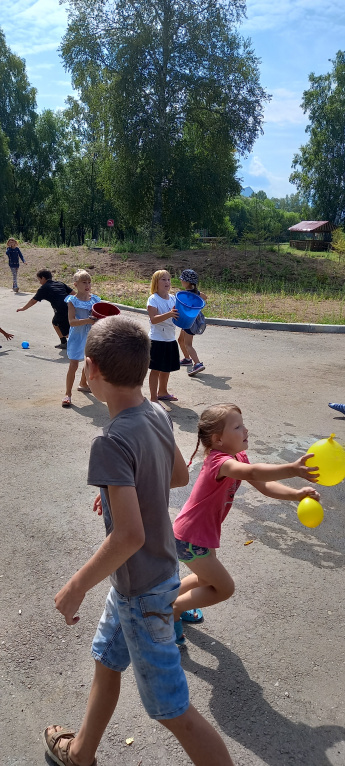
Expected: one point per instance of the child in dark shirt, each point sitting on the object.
(55, 293)
(14, 254)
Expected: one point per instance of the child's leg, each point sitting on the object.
(191, 353)
(73, 366)
(163, 383)
(189, 582)
(158, 382)
(102, 702)
(153, 383)
(182, 344)
(83, 381)
(214, 584)
(14, 271)
(58, 331)
(199, 739)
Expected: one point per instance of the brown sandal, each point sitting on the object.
(60, 753)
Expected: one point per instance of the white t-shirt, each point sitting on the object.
(163, 330)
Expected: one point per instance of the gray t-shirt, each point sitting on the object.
(137, 449)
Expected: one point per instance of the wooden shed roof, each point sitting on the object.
(312, 226)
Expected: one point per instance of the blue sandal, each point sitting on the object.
(192, 615)
(180, 639)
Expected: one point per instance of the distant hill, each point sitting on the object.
(247, 192)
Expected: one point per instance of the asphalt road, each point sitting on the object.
(267, 667)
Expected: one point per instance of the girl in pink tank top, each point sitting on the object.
(197, 528)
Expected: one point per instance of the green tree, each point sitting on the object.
(338, 242)
(17, 123)
(6, 187)
(319, 167)
(33, 176)
(258, 219)
(160, 75)
(17, 101)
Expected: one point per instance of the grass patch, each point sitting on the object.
(269, 286)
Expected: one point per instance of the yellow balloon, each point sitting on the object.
(310, 512)
(329, 456)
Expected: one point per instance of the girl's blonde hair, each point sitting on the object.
(11, 239)
(212, 421)
(80, 274)
(155, 279)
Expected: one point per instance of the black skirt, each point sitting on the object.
(164, 356)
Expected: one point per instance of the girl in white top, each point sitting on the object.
(164, 357)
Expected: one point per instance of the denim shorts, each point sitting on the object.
(140, 630)
(189, 552)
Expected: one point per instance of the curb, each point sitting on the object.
(256, 325)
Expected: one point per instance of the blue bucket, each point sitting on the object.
(188, 306)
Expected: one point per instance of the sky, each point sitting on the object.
(292, 38)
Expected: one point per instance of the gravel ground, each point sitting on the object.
(267, 667)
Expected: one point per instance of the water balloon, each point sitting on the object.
(310, 512)
(329, 456)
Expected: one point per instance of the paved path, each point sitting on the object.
(267, 667)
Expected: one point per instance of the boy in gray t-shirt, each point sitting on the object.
(136, 462)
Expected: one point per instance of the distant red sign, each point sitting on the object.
(110, 222)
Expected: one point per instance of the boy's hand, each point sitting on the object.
(68, 601)
(310, 473)
(7, 335)
(174, 313)
(307, 492)
(97, 505)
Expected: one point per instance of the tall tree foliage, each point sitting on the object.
(166, 78)
(6, 186)
(17, 124)
(258, 218)
(33, 148)
(319, 168)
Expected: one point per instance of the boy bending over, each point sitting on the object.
(136, 462)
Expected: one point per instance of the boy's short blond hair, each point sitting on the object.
(80, 274)
(11, 239)
(155, 279)
(120, 348)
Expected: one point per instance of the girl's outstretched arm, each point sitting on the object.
(266, 472)
(282, 492)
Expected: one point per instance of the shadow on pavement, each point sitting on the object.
(213, 381)
(60, 359)
(276, 525)
(185, 418)
(241, 711)
(95, 410)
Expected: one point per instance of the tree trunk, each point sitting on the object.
(157, 214)
(62, 228)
